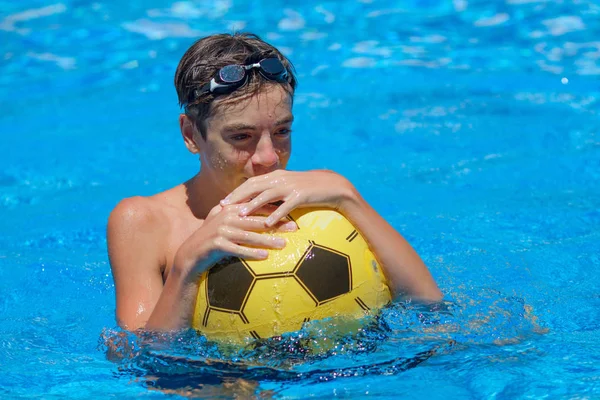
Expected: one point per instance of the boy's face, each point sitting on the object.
(247, 138)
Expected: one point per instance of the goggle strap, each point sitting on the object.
(211, 86)
(255, 65)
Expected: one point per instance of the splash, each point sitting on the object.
(404, 336)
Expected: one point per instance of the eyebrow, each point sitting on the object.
(238, 127)
(285, 120)
(247, 127)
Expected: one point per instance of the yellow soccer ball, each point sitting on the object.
(325, 271)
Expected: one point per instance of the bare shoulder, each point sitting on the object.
(136, 232)
(135, 213)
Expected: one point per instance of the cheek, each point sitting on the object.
(284, 151)
(218, 160)
(242, 156)
(227, 160)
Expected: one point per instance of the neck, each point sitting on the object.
(202, 195)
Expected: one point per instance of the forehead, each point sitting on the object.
(270, 104)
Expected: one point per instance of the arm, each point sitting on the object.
(404, 268)
(135, 237)
(136, 246)
(406, 272)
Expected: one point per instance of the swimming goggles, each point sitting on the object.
(232, 77)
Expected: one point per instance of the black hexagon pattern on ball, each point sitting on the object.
(228, 283)
(326, 273)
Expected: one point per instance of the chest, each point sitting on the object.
(180, 229)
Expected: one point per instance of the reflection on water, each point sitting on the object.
(100, 43)
(405, 336)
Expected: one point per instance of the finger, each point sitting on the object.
(247, 253)
(252, 187)
(235, 209)
(263, 211)
(266, 210)
(282, 211)
(285, 226)
(263, 199)
(244, 192)
(255, 239)
(259, 224)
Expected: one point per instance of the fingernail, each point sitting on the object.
(270, 221)
(279, 242)
(263, 253)
(224, 202)
(290, 226)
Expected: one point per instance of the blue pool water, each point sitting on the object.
(471, 126)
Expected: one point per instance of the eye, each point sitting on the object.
(239, 137)
(283, 132)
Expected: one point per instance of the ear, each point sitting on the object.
(188, 130)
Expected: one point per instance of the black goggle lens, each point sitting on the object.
(272, 66)
(232, 73)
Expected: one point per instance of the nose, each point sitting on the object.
(265, 155)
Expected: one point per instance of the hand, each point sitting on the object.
(292, 189)
(225, 233)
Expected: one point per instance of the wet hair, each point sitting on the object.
(205, 57)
